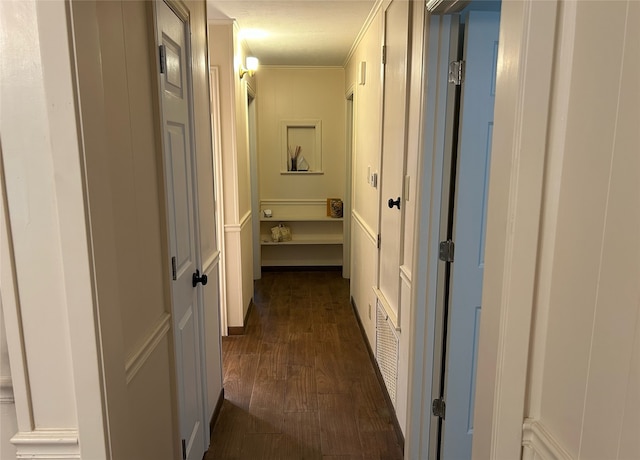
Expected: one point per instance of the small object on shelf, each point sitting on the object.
(293, 155)
(275, 234)
(302, 164)
(267, 213)
(285, 232)
(280, 233)
(329, 200)
(334, 207)
(317, 239)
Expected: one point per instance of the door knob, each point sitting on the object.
(196, 278)
(394, 203)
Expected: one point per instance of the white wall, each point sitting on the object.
(366, 154)
(227, 52)
(83, 181)
(50, 329)
(559, 333)
(299, 93)
(124, 177)
(584, 388)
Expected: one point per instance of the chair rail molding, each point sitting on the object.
(371, 234)
(139, 357)
(540, 444)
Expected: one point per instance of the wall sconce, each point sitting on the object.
(252, 66)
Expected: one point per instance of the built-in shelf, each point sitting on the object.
(305, 239)
(302, 173)
(316, 239)
(282, 219)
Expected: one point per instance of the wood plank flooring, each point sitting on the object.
(300, 384)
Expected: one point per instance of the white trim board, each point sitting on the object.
(211, 262)
(239, 226)
(393, 317)
(373, 236)
(47, 444)
(139, 357)
(513, 224)
(541, 443)
(292, 202)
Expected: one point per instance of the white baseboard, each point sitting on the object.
(47, 445)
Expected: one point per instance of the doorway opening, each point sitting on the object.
(254, 181)
(349, 127)
(466, 56)
(301, 210)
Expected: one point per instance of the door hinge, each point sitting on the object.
(438, 407)
(446, 251)
(184, 450)
(379, 241)
(163, 59)
(384, 54)
(456, 72)
(174, 270)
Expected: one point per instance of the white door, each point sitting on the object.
(393, 152)
(472, 180)
(182, 222)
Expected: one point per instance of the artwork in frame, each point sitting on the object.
(301, 146)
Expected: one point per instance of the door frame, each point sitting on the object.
(183, 13)
(445, 101)
(525, 64)
(216, 136)
(348, 194)
(252, 143)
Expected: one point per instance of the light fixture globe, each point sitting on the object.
(251, 66)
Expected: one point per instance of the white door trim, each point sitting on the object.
(214, 82)
(521, 118)
(518, 159)
(425, 337)
(350, 99)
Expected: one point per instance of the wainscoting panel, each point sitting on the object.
(539, 443)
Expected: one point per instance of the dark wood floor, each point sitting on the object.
(300, 384)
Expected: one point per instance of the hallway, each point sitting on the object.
(300, 384)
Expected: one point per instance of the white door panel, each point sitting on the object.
(187, 350)
(474, 152)
(393, 150)
(180, 192)
(183, 239)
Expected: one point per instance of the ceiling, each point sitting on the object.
(298, 32)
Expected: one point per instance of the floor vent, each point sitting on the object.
(387, 351)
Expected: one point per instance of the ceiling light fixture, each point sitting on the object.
(251, 66)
